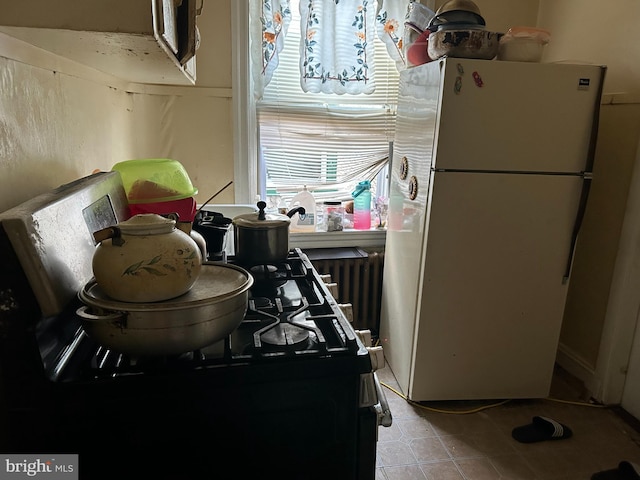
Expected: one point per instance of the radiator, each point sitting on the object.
(358, 278)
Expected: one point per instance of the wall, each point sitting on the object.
(597, 249)
(500, 15)
(193, 129)
(53, 128)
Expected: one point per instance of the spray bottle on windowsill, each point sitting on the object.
(306, 223)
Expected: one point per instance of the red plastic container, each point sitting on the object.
(185, 208)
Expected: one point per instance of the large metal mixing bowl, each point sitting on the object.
(210, 311)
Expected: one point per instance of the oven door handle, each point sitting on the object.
(382, 407)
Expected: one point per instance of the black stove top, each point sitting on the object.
(291, 316)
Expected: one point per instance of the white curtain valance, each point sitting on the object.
(336, 46)
(390, 27)
(269, 22)
(336, 42)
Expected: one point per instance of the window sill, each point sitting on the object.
(345, 238)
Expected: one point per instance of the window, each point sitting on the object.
(327, 142)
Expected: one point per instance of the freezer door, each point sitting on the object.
(492, 298)
(515, 116)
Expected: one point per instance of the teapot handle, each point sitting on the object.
(109, 232)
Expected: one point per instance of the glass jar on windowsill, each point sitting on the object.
(332, 217)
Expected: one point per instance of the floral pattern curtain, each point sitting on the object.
(390, 26)
(269, 21)
(336, 44)
(336, 48)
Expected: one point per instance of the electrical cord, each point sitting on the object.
(580, 404)
(484, 407)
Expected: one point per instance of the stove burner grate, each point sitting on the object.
(267, 278)
(288, 333)
(285, 335)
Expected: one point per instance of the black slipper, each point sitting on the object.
(625, 471)
(540, 429)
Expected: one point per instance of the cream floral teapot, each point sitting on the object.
(145, 259)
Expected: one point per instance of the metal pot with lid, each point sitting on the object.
(262, 238)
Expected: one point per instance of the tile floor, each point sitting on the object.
(425, 444)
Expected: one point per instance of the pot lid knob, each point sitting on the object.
(261, 219)
(261, 205)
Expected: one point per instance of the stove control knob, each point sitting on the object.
(347, 309)
(365, 336)
(377, 358)
(333, 289)
(325, 278)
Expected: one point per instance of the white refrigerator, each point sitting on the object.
(490, 175)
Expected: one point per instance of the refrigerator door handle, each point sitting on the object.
(587, 176)
(582, 206)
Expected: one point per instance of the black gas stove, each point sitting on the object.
(291, 317)
(291, 391)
